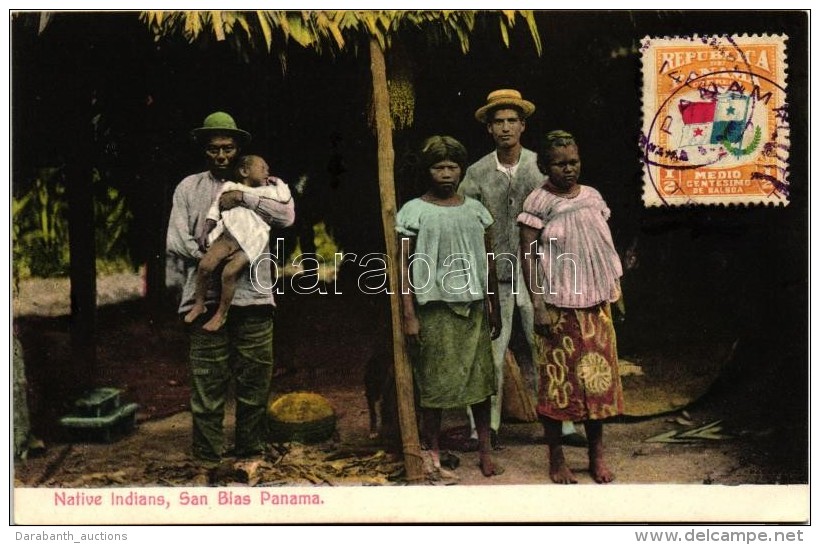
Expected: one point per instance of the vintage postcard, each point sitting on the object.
(655, 164)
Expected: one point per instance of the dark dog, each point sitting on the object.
(382, 405)
(380, 390)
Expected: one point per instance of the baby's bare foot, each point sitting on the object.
(195, 313)
(215, 323)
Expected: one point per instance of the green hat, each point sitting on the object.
(220, 123)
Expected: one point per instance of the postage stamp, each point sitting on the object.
(715, 120)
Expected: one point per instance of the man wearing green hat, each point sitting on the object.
(501, 180)
(242, 350)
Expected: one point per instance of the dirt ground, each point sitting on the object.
(685, 424)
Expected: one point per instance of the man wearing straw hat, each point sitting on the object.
(242, 350)
(501, 180)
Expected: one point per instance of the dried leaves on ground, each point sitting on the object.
(289, 464)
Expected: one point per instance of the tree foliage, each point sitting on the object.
(40, 241)
(329, 30)
(336, 31)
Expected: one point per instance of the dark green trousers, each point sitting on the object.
(242, 352)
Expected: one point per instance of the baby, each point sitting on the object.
(235, 237)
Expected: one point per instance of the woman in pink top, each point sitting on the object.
(574, 274)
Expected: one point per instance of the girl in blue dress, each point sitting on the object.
(449, 298)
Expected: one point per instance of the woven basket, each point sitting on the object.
(517, 404)
(302, 417)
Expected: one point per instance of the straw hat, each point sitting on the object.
(501, 98)
(220, 123)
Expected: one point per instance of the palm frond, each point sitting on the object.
(331, 29)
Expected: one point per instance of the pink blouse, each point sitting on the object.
(578, 259)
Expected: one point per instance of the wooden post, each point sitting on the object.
(82, 267)
(79, 134)
(413, 462)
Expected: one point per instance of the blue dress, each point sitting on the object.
(454, 366)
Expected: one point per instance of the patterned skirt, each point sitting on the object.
(454, 366)
(578, 366)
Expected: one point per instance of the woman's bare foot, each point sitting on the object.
(600, 472)
(560, 472)
(215, 323)
(195, 313)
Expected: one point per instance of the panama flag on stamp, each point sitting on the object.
(714, 121)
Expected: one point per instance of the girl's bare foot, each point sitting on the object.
(215, 323)
(435, 459)
(195, 313)
(433, 469)
(488, 467)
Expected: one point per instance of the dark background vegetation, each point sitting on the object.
(96, 88)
